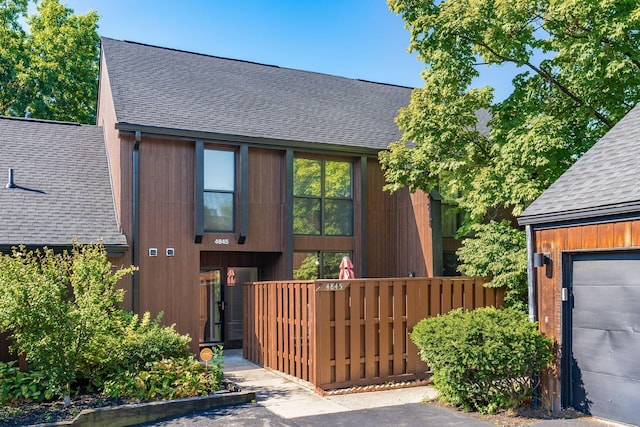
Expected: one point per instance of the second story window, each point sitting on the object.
(322, 197)
(219, 190)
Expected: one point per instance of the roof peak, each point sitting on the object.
(36, 120)
(246, 61)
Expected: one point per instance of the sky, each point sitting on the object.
(351, 38)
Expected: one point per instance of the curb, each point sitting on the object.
(138, 413)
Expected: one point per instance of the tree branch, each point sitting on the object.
(548, 77)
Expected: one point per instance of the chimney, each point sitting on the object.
(10, 184)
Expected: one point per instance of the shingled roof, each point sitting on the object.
(603, 182)
(63, 189)
(171, 89)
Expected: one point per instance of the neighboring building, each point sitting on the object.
(584, 276)
(56, 189)
(227, 171)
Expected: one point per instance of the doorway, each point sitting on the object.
(221, 305)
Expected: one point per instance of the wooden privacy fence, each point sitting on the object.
(338, 334)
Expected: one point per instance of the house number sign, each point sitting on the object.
(221, 241)
(332, 286)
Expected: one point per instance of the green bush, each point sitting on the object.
(60, 309)
(139, 342)
(485, 359)
(22, 386)
(168, 379)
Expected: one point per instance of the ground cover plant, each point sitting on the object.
(62, 313)
(483, 360)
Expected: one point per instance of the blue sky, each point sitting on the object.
(351, 38)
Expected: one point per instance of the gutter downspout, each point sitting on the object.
(135, 250)
(533, 308)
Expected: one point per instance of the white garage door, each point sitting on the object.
(604, 335)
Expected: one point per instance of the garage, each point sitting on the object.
(603, 333)
(583, 248)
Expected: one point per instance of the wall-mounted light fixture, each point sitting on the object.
(170, 252)
(153, 251)
(540, 259)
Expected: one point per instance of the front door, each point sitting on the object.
(221, 305)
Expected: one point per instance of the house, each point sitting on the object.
(227, 171)
(584, 276)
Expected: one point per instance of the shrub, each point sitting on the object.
(16, 385)
(139, 342)
(485, 359)
(60, 309)
(168, 379)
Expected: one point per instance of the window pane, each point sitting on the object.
(331, 264)
(306, 265)
(218, 211)
(306, 177)
(306, 216)
(219, 170)
(337, 179)
(338, 218)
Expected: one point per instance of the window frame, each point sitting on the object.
(323, 198)
(233, 192)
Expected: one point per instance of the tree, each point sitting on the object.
(578, 74)
(51, 71)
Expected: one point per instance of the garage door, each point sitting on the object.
(605, 335)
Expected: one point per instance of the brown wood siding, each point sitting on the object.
(168, 284)
(617, 235)
(119, 153)
(379, 224)
(412, 235)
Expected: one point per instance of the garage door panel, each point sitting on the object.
(605, 352)
(617, 397)
(599, 271)
(605, 334)
(607, 308)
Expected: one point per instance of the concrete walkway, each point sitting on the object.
(283, 401)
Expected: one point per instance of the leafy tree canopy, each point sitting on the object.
(48, 70)
(578, 67)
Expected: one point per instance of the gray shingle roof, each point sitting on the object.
(64, 185)
(166, 88)
(605, 181)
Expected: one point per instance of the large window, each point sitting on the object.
(317, 265)
(219, 190)
(322, 197)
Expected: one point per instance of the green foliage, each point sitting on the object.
(309, 268)
(578, 65)
(169, 379)
(16, 385)
(498, 250)
(483, 360)
(60, 309)
(51, 71)
(139, 342)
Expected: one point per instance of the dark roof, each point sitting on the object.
(171, 89)
(64, 189)
(603, 182)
